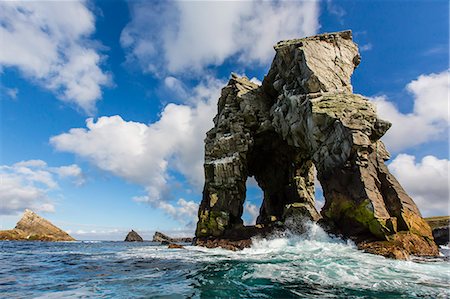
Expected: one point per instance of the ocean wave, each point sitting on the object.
(287, 265)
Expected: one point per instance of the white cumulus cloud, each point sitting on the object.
(202, 34)
(253, 211)
(429, 119)
(48, 42)
(145, 153)
(184, 211)
(27, 184)
(426, 181)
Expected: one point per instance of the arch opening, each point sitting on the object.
(253, 201)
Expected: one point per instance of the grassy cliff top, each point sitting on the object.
(438, 221)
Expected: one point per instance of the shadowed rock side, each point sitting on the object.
(305, 117)
(32, 227)
(133, 236)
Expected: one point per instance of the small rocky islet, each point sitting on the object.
(165, 239)
(133, 236)
(161, 238)
(32, 227)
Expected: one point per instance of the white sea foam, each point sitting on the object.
(315, 258)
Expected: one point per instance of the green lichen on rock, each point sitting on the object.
(360, 214)
(212, 223)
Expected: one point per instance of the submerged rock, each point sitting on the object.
(32, 227)
(305, 118)
(165, 240)
(175, 246)
(133, 237)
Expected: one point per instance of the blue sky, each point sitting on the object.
(104, 105)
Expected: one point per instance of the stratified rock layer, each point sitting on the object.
(304, 118)
(32, 227)
(133, 236)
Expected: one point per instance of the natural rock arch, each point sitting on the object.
(304, 115)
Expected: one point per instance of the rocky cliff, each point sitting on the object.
(32, 227)
(133, 236)
(305, 118)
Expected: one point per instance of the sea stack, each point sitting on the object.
(133, 236)
(32, 227)
(305, 119)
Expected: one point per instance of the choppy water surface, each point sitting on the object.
(312, 266)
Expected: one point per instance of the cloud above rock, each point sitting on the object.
(429, 119)
(147, 154)
(426, 181)
(202, 34)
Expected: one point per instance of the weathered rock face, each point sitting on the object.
(133, 237)
(305, 116)
(32, 227)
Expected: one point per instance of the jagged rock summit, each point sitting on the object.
(305, 118)
(133, 236)
(33, 227)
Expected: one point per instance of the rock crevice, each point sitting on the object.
(305, 118)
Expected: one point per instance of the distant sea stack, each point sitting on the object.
(133, 237)
(164, 239)
(304, 119)
(32, 227)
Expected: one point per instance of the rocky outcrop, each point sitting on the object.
(164, 239)
(305, 118)
(440, 227)
(133, 236)
(32, 227)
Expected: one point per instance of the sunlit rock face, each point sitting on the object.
(305, 118)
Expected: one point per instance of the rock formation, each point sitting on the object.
(133, 237)
(32, 227)
(164, 239)
(305, 118)
(440, 227)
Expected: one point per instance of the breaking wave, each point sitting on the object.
(313, 265)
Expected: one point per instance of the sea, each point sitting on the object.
(312, 265)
